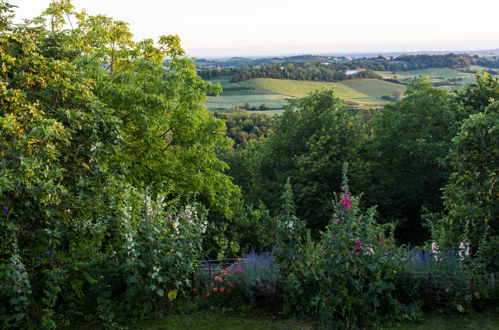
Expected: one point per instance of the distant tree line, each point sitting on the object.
(331, 72)
(489, 63)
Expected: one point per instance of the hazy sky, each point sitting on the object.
(232, 27)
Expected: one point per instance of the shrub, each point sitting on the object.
(356, 278)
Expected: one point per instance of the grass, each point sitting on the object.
(449, 322)
(432, 72)
(214, 320)
(234, 101)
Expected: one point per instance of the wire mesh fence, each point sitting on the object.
(447, 290)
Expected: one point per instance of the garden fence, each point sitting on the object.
(213, 267)
(445, 290)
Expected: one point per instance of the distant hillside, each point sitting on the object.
(334, 69)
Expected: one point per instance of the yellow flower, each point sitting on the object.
(172, 294)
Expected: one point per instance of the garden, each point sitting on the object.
(123, 203)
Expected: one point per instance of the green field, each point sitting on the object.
(365, 91)
(238, 101)
(362, 91)
(432, 73)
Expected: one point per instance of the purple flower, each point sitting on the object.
(48, 254)
(50, 248)
(5, 209)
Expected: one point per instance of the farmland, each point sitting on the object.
(274, 93)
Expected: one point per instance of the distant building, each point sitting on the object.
(351, 72)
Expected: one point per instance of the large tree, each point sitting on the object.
(410, 141)
(91, 126)
(309, 144)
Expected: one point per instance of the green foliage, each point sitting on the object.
(91, 123)
(290, 232)
(471, 193)
(351, 279)
(410, 141)
(308, 144)
(480, 94)
(244, 126)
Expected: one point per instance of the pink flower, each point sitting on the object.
(207, 294)
(215, 289)
(222, 289)
(345, 201)
(218, 278)
(212, 284)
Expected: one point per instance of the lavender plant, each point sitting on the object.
(260, 275)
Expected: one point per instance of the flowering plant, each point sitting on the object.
(354, 281)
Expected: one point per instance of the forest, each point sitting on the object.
(116, 183)
(335, 71)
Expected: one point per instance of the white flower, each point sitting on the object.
(464, 251)
(435, 250)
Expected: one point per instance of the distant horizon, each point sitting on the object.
(223, 28)
(255, 53)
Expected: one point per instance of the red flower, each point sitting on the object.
(197, 297)
(222, 289)
(212, 284)
(207, 294)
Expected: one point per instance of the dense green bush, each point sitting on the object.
(471, 193)
(353, 276)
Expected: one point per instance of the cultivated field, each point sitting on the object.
(273, 93)
(238, 101)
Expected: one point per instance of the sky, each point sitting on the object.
(217, 28)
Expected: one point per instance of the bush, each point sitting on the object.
(356, 278)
